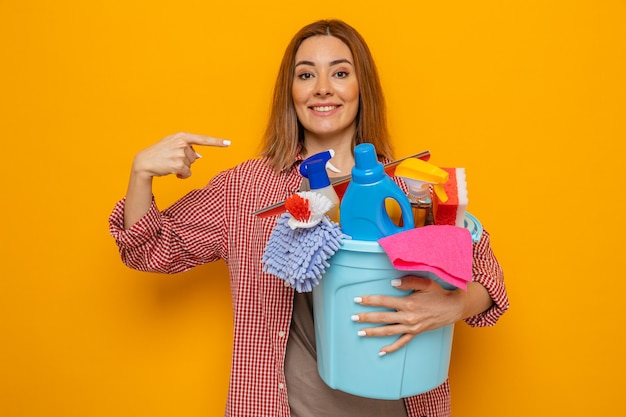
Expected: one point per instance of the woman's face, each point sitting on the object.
(325, 89)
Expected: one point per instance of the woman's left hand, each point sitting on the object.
(428, 307)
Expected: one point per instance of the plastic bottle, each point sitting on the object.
(363, 213)
(315, 171)
(421, 203)
(419, 176)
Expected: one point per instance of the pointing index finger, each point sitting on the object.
(194, 139)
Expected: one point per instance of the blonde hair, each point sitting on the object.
(284, 136)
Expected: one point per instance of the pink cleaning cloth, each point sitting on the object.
(444, 250)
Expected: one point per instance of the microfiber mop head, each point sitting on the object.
(302, 241)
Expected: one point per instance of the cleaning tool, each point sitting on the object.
(302, 241)
(315, 171)
(451, 211)
(419, 177)
(339, 185)
(362, 213)
(325, 156)
(445, 251)
(353, 364)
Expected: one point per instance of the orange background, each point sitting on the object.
(528, 96)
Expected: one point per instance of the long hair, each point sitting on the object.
(284, 135)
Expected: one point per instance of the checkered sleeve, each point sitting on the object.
(140, 232)
(189, 233)
(487, 271)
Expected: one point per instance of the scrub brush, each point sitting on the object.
(302, 241)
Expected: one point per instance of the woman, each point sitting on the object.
(327, 96)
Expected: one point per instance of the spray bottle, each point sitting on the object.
(363, 213)
(326, 156)
(419, 176)
(315, 171)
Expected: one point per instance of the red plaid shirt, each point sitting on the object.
(216, 222)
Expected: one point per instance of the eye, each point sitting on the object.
(342, 74)
(305, 76)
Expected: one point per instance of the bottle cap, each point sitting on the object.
(366, 169)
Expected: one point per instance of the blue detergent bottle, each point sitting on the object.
(363, 214)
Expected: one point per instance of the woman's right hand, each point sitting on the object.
(174, 154)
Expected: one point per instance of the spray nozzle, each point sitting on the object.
(325, 156)
(416, 173)
(316, 173)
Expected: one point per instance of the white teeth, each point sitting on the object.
(324, 108)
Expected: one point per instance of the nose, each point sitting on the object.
(323, 87)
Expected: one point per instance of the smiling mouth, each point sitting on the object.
(324, 108)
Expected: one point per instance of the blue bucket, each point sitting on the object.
(350, 363)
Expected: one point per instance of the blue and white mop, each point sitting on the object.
(302, 241)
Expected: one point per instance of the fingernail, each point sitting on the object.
(226, 142)
(358, 299)
(381, 353)
(354, 317)
(361, 333)
(396, 282)
(198, 155)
